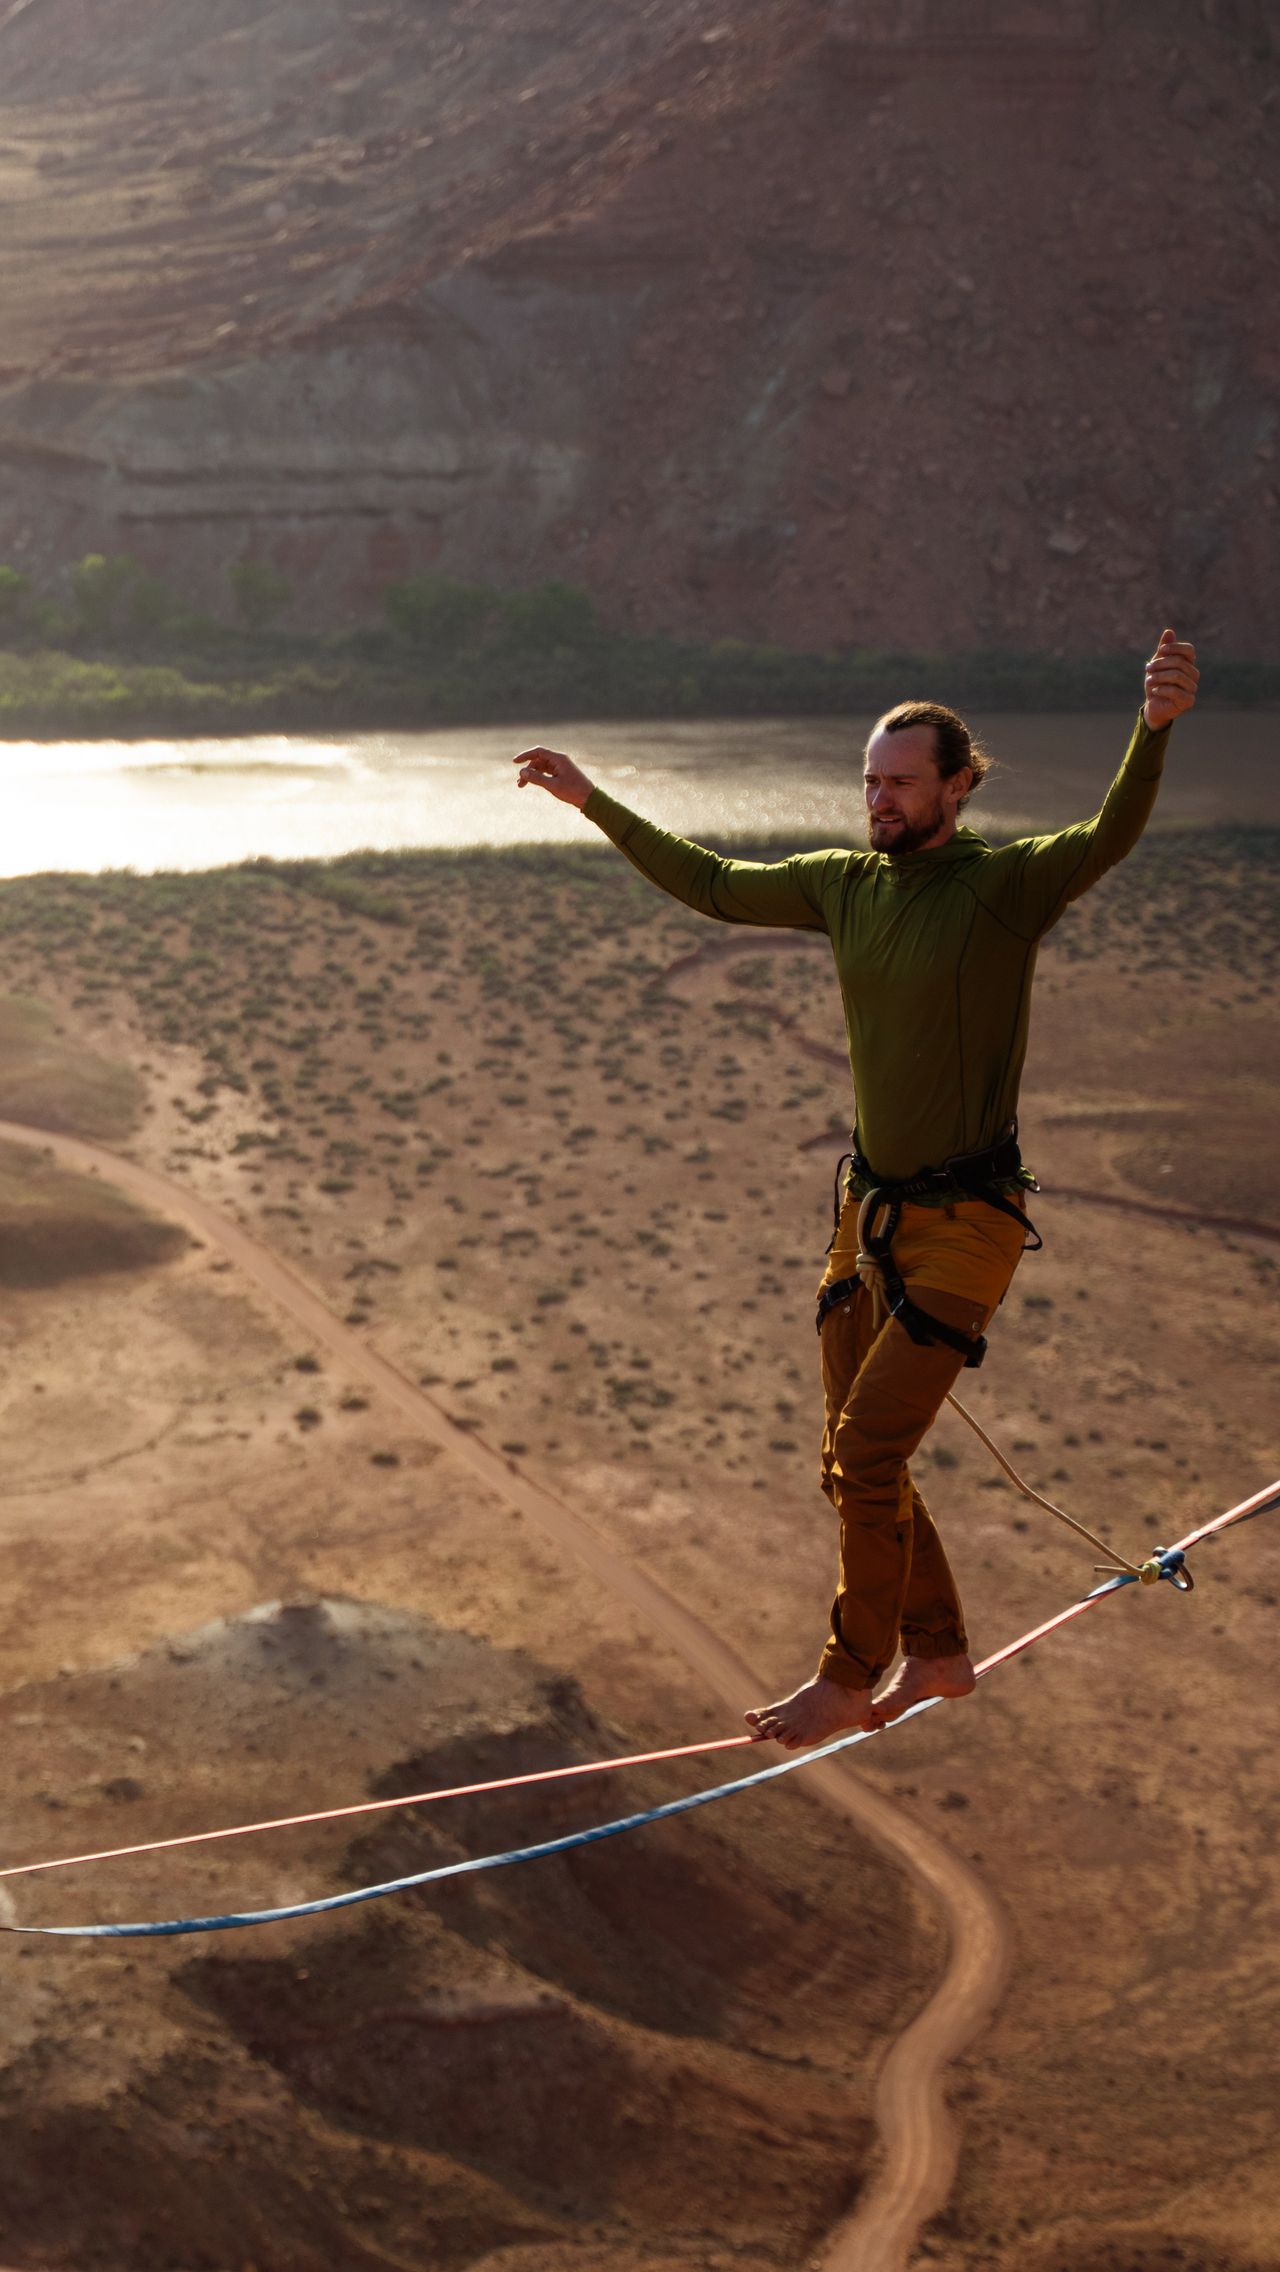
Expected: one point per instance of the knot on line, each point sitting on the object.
(869, 1271)
(1166, 1562)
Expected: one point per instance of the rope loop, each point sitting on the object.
(1173, 1566)
(1167, 1562)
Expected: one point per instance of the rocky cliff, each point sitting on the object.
(916, 323)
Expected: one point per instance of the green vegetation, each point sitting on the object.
(113, 597)
(113, 651)
(13, 595)
(260, 592)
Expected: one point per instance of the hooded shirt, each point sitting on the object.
(935, 951)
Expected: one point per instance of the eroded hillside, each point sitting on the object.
(816, 324)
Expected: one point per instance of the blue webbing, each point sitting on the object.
(672, 1807)
(1170, 1559)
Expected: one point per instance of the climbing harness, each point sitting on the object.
(967, 1175)
(1167, 1563)
(970, 1175)
(877, 1270)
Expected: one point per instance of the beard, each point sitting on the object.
(906, 835)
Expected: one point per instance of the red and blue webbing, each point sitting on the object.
(1170, 1560)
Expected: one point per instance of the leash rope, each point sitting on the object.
(1115, 1564)
(1170, 1561)
(870, 1271)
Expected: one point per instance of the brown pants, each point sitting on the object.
(882, 1393)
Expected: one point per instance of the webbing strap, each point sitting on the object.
(919, 1323)
(883, 1272)
(1169, 1563)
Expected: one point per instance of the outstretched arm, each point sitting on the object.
(1041, 876)
(786, 894)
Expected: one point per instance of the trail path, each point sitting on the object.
(918, 2139)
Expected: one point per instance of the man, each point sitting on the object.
(935, 939)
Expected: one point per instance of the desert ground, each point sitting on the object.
(512, 1462)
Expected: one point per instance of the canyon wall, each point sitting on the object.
(896, 322)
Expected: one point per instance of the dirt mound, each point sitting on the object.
(55, 1226)
(583, 2054)
(1172, 2251)
(48, 1080)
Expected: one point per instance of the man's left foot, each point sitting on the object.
(919, 1677)
(816, 1712)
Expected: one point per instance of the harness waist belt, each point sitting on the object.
(967, 1175)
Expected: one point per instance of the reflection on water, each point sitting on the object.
(200, 804)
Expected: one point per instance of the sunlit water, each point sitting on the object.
(201, 804)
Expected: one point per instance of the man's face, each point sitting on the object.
(910, 807)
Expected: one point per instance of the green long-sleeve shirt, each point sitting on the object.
(935, 951)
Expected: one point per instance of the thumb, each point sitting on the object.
(1167, 639)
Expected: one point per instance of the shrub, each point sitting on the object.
(14, 588)
(550, 617)
(437, 613)
(102, 588)
(260, 593)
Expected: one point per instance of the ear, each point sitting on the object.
(960, 785)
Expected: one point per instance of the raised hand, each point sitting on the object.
(1170, 681)
(551, 769)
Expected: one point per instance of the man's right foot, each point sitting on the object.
(815, 1713)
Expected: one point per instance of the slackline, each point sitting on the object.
(1167, 1563)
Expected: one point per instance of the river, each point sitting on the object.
(89, 806)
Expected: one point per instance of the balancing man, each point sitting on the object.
(935, 938)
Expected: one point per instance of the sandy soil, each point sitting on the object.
(581, 1210)
(917, 2142)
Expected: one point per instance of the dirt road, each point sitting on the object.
(918, 2141)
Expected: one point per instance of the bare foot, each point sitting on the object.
(918, 1677)
(819, 1710)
